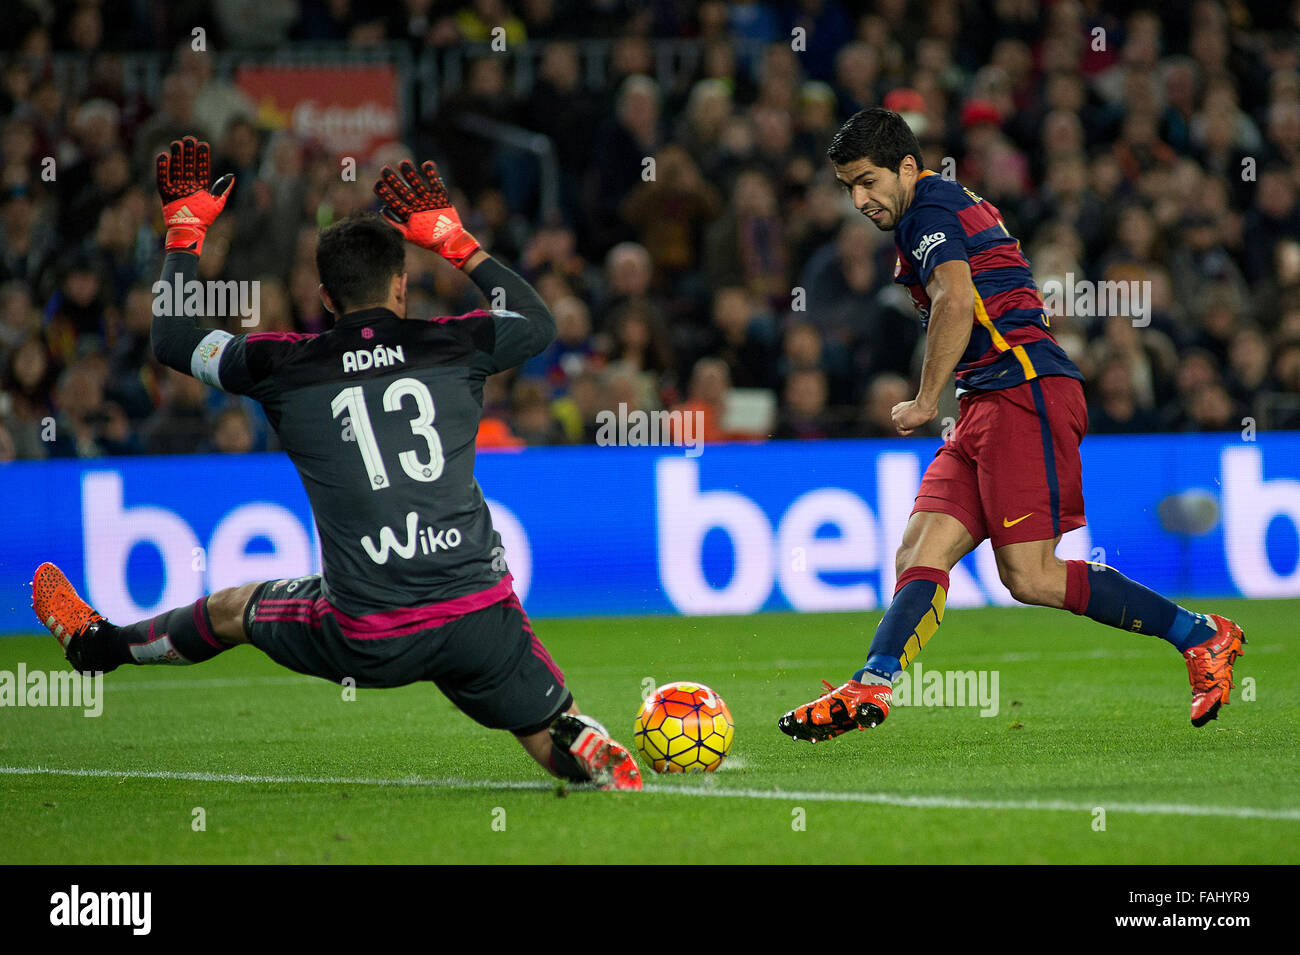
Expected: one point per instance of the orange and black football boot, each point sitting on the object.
(74, 623)
(853, 706)
(1209, 667)
(606, 762)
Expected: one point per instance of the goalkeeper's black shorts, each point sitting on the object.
(487, 661)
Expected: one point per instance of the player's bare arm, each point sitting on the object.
(951, 313)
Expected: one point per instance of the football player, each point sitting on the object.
(379, 416)
(1010, 470)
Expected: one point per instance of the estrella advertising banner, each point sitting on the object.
(350, 110)
(597, 531)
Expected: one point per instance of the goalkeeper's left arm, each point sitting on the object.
(189, 208)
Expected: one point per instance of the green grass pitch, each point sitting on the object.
(285, 770)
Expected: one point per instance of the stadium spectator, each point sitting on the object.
(857, 73)
(708, 108)
(744, 336)
(530, 407)
(216, 101)
(573, 349)
(1200, 262)
(706, 395)
(132, 374)
(577, 410)
(1117, 409)
(175, 119)
(1212, 409)
(618, 161)
(746, 246)
(887, 390)
(27, 242)
(180, 425)
(628, 275)
(552, 250)
(1274, 217)
(803, 349)
(483, 20)
(561, 108)
(85, 424)
(1248, 375)
(639, 345)
(232, 432)
(29, 378)
(804, 413)
(669, 213)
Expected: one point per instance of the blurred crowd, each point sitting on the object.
(729, 275)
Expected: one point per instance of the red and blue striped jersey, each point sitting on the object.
(1011, 341)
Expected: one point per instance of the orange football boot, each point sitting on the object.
(73, 622)
(852, 706)
(1209, 667)
(606, 761)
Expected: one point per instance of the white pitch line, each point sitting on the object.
(717, 792)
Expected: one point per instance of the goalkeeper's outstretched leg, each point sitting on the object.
(296, 627)
(577, 748)
(189, 634)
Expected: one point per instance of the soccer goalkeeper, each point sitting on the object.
(379, 416)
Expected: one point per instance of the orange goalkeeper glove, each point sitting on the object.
(416, 204)
(189, 207)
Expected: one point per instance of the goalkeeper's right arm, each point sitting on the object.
(524, 325)
(417, 205)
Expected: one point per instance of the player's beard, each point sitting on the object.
(886, 222)
(891, 214)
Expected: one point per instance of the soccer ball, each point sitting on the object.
(684, 728)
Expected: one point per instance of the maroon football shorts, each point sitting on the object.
(1010, 470)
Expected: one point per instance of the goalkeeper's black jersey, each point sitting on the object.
(379, 416)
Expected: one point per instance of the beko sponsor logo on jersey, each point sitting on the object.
(428, 540)
(928, 242)
(381, 356)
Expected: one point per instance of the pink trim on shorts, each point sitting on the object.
(399, 623)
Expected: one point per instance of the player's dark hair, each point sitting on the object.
(878, 135)
(357, 258)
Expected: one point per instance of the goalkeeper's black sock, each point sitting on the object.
(179, 636)
(564, 733)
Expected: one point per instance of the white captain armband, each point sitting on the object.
(207, 357)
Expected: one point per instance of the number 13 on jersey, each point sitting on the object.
(353, 401)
